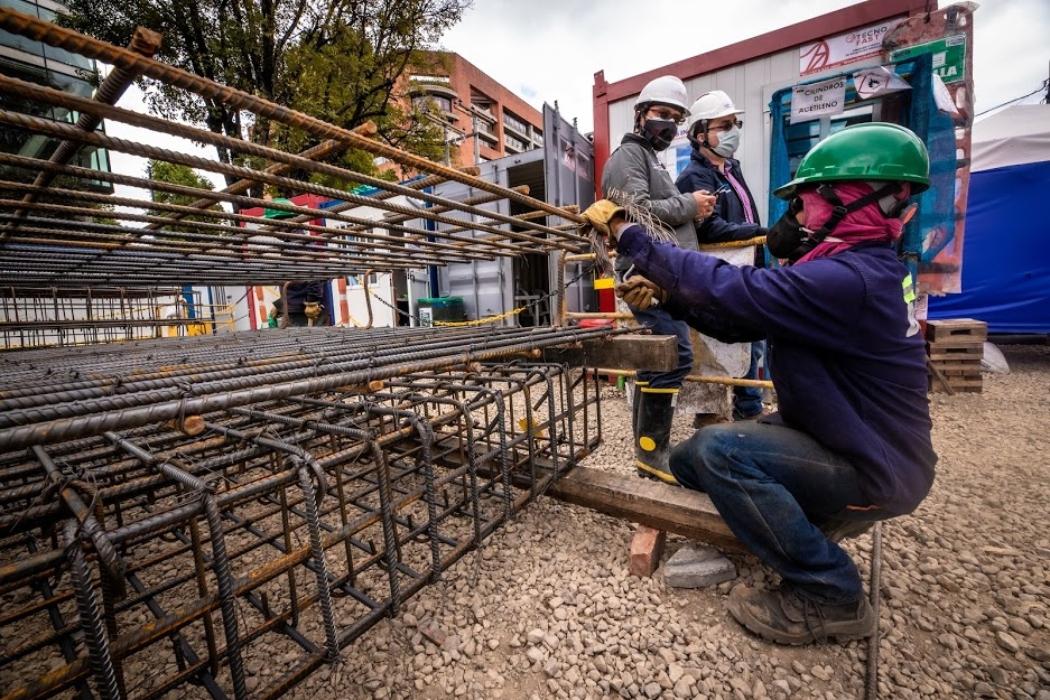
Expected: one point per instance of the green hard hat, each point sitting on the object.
(866, 152)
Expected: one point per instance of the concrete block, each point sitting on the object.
(697, 567)
(647, 546)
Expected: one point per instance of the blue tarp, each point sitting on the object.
(1006, 252)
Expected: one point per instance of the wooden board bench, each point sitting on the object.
(658, 505)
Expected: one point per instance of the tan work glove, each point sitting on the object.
(600, 214)
(640, 293)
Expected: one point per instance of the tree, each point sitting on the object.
(335, 59)
(175, 174)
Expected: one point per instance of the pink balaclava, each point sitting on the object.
(866, 225)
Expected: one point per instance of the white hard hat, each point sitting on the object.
(712, 105)
(665, 90)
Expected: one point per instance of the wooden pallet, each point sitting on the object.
(955, 348)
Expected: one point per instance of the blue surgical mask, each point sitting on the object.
(728, 141)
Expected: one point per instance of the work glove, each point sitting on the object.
(599, 215)
(640, 293)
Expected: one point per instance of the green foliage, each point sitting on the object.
(175, 174)
(338, 60)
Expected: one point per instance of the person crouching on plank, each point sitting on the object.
(851, 442)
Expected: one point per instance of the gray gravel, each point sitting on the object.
(547, 608)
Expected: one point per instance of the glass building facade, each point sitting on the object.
(36, 62)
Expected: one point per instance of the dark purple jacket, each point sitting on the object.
(848, 367)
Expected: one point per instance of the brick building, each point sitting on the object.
(461, 98)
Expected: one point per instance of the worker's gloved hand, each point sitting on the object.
(313, 310)
(602, 216)
(640, 293)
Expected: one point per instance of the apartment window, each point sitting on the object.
(444, 79)
(486, 127)
(35, 47)
(60, 55)
(481, 102)
(439, 102)
(514, 122)
(42, 76)
(515, 143)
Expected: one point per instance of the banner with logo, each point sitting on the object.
(850, 47)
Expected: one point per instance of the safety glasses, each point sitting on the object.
(671, 115)
(726, 127)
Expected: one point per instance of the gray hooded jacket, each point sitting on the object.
(634, 169)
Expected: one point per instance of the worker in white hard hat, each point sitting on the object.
(714, 132)
(634, 171)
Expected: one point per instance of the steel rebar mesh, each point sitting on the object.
(220, 515)
(375, 494)
(32, 317)
(56, 231)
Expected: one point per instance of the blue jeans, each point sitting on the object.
(747, 400)
(771, 484)
(662, 323)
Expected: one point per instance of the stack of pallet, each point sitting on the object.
(955, 347)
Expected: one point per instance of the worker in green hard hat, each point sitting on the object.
(879, 160)
(851, 441)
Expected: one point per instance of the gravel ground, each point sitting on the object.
(547, 608)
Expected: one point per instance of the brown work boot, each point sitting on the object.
(837, 530)
(784, 617)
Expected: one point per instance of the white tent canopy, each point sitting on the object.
(1017, 135)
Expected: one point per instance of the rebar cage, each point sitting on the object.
(146, 560)
(168, 506)
(32, 317)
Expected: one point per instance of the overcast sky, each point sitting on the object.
(548, 50)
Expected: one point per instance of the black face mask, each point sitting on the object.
(659, 132)
(788, 240)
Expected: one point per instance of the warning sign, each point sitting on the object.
(857, 45)
(817, 99)
(877, 81)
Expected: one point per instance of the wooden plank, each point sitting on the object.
(965, 373)
(950, 329)
(955, 385)
(658, 353)
(958, 366)
(661, 506)
(957, 341)
(957, 354)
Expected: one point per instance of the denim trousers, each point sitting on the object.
(662, 323)
(773, 486)
(747, 400)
